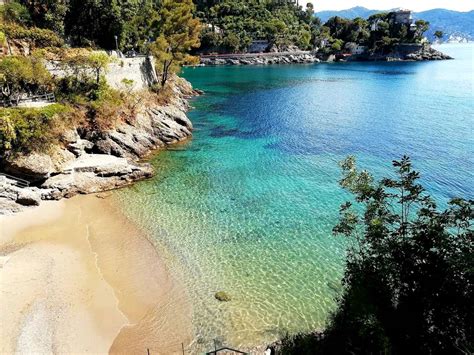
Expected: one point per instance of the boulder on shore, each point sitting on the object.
(33, 166)
(28, 198)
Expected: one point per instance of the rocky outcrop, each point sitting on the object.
(409, 52)
(34, 166)
(427, 54)
(261, 59)
(91, 162)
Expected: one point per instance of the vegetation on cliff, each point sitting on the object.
(379, 33)
(32, 36)
(408, 284)
(32, 129)
(231, 25)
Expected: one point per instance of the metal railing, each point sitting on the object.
(49, 97)
(16, 181)
(181, 349)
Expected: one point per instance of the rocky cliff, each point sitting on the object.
(90, 162)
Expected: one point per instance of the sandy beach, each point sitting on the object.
(77, 277)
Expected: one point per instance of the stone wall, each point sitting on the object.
(141, 70)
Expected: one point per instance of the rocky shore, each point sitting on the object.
(400, 53)
(88, 162)
(427, 54)
(261, 59)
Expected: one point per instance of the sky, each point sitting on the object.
(415, 5)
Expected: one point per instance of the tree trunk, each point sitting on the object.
(164, 75)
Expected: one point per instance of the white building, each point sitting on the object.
(359, 50)
(403, 16)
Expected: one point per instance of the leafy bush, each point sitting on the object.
(38, 36)
(20, 75)
(15, 12)
(31, 129)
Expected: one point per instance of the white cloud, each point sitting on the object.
(416, 5)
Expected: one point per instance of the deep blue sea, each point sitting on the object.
(247, 206)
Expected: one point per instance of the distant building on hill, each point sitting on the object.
(360, 50)
(403, 16)
(355, 49)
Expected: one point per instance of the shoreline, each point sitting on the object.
(92, 162)
(86, 279)
(301, 57)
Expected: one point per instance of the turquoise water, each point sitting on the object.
(248, 205)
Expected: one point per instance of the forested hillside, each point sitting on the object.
(451, 23)
(232, 25)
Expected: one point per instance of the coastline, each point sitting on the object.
(85, 279)
(417, 54)
(88, 162)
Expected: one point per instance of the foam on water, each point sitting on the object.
(248, 205)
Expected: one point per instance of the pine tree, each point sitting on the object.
(179, 33)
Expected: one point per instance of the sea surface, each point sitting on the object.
(248, 205)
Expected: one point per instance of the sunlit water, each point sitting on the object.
(248, 205)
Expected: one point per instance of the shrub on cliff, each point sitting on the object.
(31, 129)
(15, 12)
(409, 280)
(23, 75)
(38, 37)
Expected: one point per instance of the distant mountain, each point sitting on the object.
(352, 13)
(457, 26)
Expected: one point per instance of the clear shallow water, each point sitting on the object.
(248, 205)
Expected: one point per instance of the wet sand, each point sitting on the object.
(77, 277)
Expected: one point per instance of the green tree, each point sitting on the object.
(409, 279)
(421, 27)
(179, 34)
(141, 23)
(98, 62)
(231, 42)
(439, 34)
(337, 45)
(15, 12)
(48, 14)
(94, 22)
(23, 75)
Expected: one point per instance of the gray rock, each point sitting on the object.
(80, 147)
(27, 197)
(33, 166)
(70, 136)
(8, 206)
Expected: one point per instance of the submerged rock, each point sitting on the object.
(222, 296)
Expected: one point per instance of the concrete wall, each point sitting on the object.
(141, 70)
